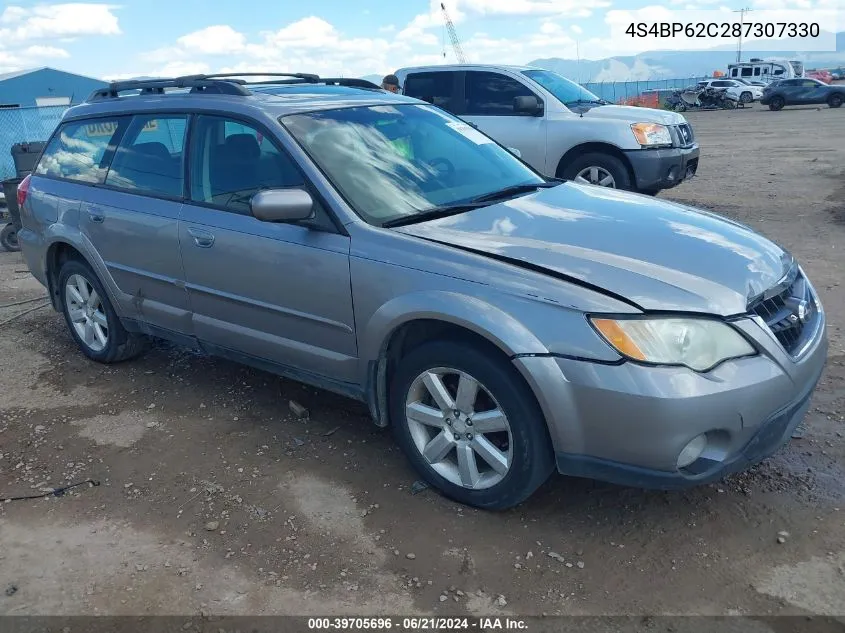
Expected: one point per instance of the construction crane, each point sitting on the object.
(456, 43)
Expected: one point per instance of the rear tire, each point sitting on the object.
(91, 319)
(835, 101)
(776, 104)
(9, 238)
(439, 444)
(597, 164)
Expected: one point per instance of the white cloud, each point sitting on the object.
(11, 15)
(213, 40)
(576, 29)
(45, 52)
(388, 28)
(527, 7)
(57, 20)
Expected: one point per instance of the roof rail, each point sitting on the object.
(220, 83)
(196, 83)
(303, 76)
(329, 81)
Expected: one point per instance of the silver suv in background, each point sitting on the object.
(502, 323)
(560, 128)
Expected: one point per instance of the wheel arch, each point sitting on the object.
(62, 249)
(595, 147)
(407, 322)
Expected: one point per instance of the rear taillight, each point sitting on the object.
(23, 189)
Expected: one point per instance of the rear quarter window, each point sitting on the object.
(437, 88)
(79, 150)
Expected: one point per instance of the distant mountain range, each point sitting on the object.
(671, 64)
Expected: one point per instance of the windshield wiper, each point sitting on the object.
(434, 213)
(515, 190)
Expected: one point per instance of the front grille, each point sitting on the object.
(685, 135)
(790, 314)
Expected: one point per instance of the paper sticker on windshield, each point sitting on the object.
(469, 132)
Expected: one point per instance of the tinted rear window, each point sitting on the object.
(149, 157)
(437, 88)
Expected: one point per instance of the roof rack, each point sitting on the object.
(220, 83)
(196, 83)
(329, 81)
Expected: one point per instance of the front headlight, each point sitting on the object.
(699, 344)
(651, 134)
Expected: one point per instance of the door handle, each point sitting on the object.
(96, 215)
(203, 239)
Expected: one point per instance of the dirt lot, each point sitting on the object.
(215, 498)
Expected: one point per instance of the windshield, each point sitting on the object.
(395, 161)
(564, 90)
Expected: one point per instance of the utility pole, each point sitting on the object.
(742, 13)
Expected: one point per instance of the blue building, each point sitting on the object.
(45, 87)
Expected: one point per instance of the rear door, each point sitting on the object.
(440, 88)
(129, 211)
(274, 292)
(791, 89)
(489, 103)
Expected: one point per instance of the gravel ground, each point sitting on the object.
(215, 497)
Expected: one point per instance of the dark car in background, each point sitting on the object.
(803, 91)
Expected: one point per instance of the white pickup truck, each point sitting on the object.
(560, 128)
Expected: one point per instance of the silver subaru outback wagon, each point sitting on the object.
(503, 324)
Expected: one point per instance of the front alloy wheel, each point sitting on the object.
(594, 175)
(469, 423)
(459, 428)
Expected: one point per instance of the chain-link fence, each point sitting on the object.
(24, 125)
(642, 93)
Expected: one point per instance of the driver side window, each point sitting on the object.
(231, 161)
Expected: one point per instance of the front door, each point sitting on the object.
(276, 292)
(489, 104)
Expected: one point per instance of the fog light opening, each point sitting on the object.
(692, 451)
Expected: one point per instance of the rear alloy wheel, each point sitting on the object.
(776, 104)
(599, 169)
(9, 238)
(469, 425)
(92, 321)
(835, 101)
(746, 97)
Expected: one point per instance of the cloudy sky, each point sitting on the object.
(329, 37)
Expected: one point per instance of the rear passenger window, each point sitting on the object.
(436, 88)
(149, 157)
(78, 151)
(231, 161)
(493, 94)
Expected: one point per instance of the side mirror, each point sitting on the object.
(282, 205)
(529, 105)
(515, 152)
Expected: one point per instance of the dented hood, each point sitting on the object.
(658, 255)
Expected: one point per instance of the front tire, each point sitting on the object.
(746, 97)
(597, 168)
(91, 319)
(469, 425)
(776, 104)
(9, 238)
(835, 101)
